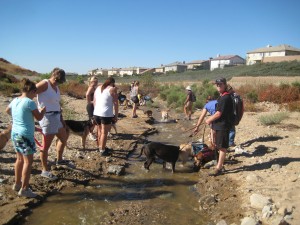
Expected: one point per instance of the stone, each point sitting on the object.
(222, 222)
(249, 221)
(275, 167)
(116, 169)
(252, 178)
(259, 201)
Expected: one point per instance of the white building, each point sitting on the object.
(264, 54)
(226, 60)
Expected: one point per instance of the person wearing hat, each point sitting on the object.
(188, 103)
(52, 124)
(221, 123)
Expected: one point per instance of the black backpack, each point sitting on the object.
(238, 108)
(193, 97)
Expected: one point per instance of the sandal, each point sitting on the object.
(215, 173)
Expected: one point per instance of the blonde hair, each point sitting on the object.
(91, 79)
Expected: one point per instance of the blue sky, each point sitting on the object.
(80, 35)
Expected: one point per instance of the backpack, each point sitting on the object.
(238, 108)
(193, 97)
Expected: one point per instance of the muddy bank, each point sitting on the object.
(249, 170)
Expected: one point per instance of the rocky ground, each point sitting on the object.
(260, 185)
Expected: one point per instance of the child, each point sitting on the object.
(23, 111)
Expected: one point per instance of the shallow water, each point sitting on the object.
(173, 194)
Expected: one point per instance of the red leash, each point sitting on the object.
(41, 146)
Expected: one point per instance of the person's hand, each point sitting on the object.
(196, 130)
(208, 122)
(115, 119)
(43, 110)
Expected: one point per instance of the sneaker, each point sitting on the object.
(135, 116)
(216, 172)
(104, 152)
(92, 137)
(27, 193)
(16, 187)
(48, 175)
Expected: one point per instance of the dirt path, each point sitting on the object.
(266, 163)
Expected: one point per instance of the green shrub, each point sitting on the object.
(9, 88)
(272, 119)
(252, 96)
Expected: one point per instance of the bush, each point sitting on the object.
(272, 119)
(8, 89)
(74, 89)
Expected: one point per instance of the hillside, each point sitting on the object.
(7, 68)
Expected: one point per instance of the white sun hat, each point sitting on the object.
(188, 88)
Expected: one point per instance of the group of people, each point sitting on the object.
(102, 108)
(49, 114)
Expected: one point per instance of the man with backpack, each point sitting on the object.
(221, 122)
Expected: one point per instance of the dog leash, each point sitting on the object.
(43, 139)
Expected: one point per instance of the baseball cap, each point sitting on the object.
(220, 80)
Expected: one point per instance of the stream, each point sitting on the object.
(173, 195)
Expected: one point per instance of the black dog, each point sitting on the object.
(80, 128)
(168, 153)
(121, 97)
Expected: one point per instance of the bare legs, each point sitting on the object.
(60, 145)
(23, 167)
(103, 130)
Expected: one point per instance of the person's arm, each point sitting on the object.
(38, 115)
(203, 114)
(187, 98)
(114, 94)
(8, 110)
(88, 95)
(214, 117)
(41, 86)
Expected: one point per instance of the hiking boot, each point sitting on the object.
(215, 173)
(16, 187)
(27, 193)
(49, 175)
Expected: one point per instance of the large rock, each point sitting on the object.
(259, 201)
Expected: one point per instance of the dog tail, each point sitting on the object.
(142, 150)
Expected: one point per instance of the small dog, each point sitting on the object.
(4, 137)
(200, 158)
(80, 128)
(168, 153)
(148, 113)
(165, 115)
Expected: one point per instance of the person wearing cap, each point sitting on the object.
(188, 103)
(221, 123)
(52, 124)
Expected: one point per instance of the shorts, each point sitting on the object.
(135, 99)
(222, 139)
(51, 123)
(23, 144)
(103, 120)
(189, 105)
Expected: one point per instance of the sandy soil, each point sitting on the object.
(266, 162)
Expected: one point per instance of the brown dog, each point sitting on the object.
(204, 156)
(4, 137)
(148, 113)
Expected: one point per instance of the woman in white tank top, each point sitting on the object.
(105, 111)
